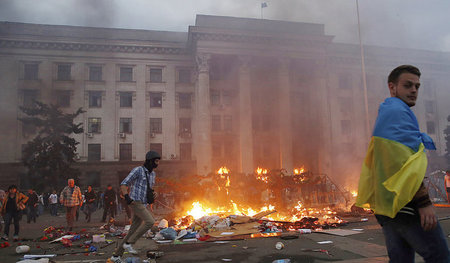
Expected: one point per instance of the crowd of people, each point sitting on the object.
(15, 204)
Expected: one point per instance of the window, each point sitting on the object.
(126, 74)
(215, 97)
(228, 147)
(216, 150)
(430, 127)
(125, 151)
(429, 106)
(155, 100)
(215, 123)
(30, 71)
(185, 151)
(126, 99)
(184, 100)
(95, 99)
(344, 82)
(125, 125)
(184, 76)
(226, 97)
(346, 127)
(63, 98)
(94, 152)
(156, 75)
(95, 73)
(157, 147)
(29, 96)
(94, 125)
(64, 72)
(227, 123)
(156, 125)
(185, 125)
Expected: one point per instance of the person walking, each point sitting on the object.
(447, 185)
(32, 206)
(109, 201)
(89, 207)
(70, 197)
(53, 203)
(391, 181)
(137, 189)
(11, 210)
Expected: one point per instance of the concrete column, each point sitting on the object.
(285, 117)
(202, 136)
(245, 117)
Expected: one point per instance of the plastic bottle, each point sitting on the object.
(22, 249)
(304, 231)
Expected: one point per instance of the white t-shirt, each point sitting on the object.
(53, 199)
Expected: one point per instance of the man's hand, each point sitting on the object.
(428, 218)
(128, 199)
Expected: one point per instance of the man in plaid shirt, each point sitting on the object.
(71, 198)
(134, 188)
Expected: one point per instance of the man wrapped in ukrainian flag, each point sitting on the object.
(391, 181)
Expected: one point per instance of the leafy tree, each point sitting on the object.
(51, 153)
(447, 139)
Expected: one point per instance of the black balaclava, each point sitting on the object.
(151, 164)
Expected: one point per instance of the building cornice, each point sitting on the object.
(221, 35)
(91, 47)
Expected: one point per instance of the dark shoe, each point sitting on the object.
(5, 237)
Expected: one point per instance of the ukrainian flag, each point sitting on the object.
(395, 164)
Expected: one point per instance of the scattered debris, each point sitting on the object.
(279, 245)
(339, 232)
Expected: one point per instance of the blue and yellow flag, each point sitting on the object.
(396, 162)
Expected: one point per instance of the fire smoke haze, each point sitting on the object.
(413, 24)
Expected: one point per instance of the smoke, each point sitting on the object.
(395, 23)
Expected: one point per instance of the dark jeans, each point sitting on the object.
(31, 215)
(109, 209)
(54, 209)
(404, 236)
(88, 209)
(8, 217)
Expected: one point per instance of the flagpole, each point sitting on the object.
(363, 72)
(261, 11)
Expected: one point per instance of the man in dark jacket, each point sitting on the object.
(109, 201)
(90, 197)
(32, 206)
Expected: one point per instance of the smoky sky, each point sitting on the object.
(414, 24)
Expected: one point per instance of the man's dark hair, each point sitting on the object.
(13, 186)
(395, 73)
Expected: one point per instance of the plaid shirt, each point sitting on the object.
(73, 199)
(137, 182)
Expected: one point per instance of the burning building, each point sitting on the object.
(231, 91)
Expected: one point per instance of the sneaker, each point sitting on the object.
(115, 259)
(16, 238)
(5, 237)
(128, 248)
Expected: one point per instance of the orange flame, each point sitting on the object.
(262, 175)
(299, 171)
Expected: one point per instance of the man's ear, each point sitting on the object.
(392, 89)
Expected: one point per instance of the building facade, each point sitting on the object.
(232, 92)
